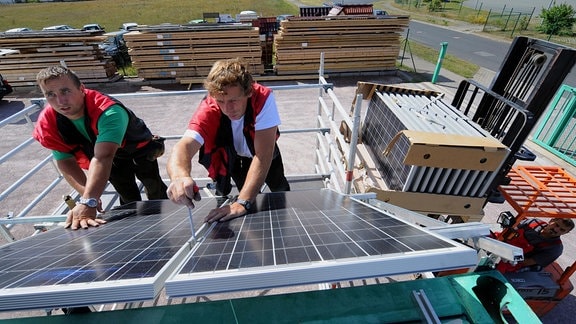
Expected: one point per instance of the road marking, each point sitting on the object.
(484, 53)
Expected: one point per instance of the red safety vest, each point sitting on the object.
(49, 133)
(214, 127)
(518, 239)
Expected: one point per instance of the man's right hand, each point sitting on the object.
(82, 216)
(184, 191)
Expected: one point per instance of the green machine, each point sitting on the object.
(468, 298)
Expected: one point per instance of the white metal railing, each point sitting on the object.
(41, 180)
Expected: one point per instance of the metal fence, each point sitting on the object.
(508, 20)
(557, 129)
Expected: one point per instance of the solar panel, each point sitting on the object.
(125, 260)
(304, 237)
(291, 238)
(389, 113)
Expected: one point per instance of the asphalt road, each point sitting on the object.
(516, 5)
(483, 51)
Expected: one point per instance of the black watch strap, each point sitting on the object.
(245, 203)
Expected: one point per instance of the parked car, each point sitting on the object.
(5, 87)
(92, 27)
(280, 18)
(197, 21)
(115, 46)
(129, 26)
(113, 42)
(58, 28)
(226, 19)
(18, 30)
(380, 13)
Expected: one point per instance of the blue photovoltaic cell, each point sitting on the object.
(130, 258)
(304, 237)
(126, 249)
(134, 247)
(309, 226)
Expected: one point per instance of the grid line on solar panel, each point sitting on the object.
(381, 126)
(130, 248)
(311, 228)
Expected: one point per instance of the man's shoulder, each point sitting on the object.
(261, 89)
(47, 114)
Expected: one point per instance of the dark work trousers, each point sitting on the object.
(276, 180)
(123, 178)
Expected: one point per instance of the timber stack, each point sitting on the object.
(25, 53)
(354, 43)
(189, 51)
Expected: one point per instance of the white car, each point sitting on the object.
(18, 30)
(92, 27)
(58, 28)
(129, 26)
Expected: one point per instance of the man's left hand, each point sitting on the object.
(82, 216)
(225, 213)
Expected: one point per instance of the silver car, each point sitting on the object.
(58, 28)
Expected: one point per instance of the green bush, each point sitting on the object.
(524, 22)
(435, 5)
(558, 20)
(477, 19)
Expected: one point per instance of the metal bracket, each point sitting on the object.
(6, 233)
(33, 219)
(328, 86)
(425, 307)
(39, 102)
(499, 248)
(462, 231)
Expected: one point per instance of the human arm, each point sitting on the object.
(528, 262)
(264, 143)
(542, 256)
(179, 167)
(112, 125)
(96, 180)
(73, 174)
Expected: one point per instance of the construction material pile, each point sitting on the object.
(25, 53)
(185, 51)
(359, 43)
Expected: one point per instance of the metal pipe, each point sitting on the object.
(353, 144)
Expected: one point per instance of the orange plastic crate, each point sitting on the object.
(541, 191)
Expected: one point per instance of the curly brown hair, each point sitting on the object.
(226, 73)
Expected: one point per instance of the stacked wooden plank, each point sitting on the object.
(350, 44)
(187, 51)
(33, 51)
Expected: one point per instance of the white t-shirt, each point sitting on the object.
(267, 118)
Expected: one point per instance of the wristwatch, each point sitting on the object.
(90, 202)
(245, 203)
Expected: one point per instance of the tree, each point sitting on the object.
(558, 20)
